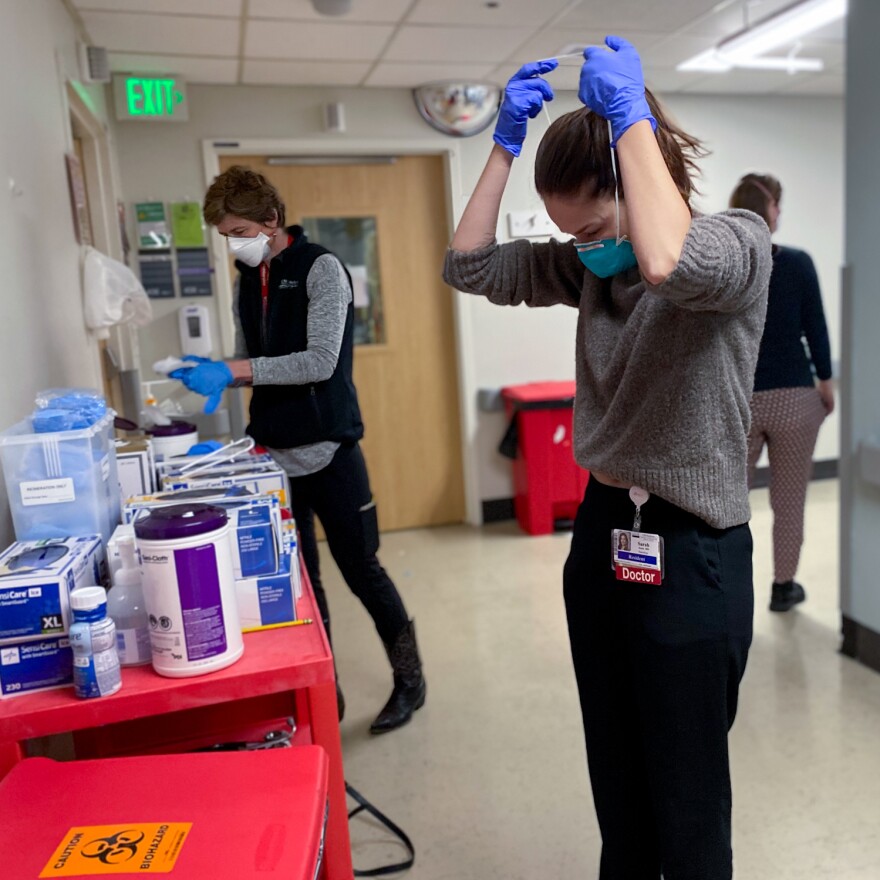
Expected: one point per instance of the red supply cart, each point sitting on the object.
(285, 672)
(548, 483)
(225, 816)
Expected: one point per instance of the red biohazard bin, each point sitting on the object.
(548, 483)
(224, 816)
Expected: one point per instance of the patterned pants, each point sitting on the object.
(788, 421)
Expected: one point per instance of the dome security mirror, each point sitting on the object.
(458, 109)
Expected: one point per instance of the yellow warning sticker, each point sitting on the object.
(150, 848)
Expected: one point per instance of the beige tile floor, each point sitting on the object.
(490, 778)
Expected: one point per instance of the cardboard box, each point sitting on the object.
(256, 533)
(29, 666)
(36, 579)
(268, 601)
(135, 467)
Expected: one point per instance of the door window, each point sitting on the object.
(353, 240)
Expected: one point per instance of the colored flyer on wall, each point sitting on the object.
(187, 230)
(137, 848)
(152, 226)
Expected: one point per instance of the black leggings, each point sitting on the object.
(340, 496)
(658, 671)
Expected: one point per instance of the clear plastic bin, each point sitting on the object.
(62, 483)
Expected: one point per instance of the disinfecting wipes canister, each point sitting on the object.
(189, 589)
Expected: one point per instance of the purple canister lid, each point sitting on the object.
(180, 521)
(175, 429)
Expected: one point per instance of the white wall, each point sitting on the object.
(798, 139)
(43, 340)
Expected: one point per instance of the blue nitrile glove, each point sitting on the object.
(613, 86)
(194, 359)
(524, 97)
(208, 378)
(204, 447)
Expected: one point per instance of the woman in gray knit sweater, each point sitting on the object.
(671, 308)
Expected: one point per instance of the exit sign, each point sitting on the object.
(148, 98)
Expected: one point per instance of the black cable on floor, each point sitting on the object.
(365, 806)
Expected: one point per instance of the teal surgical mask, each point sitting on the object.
(608, 256)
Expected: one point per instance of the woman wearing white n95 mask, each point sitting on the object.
(294, 318)
(658, 583)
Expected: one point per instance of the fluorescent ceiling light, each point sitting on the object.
(784, 27)
(745, 48)
(712, 61)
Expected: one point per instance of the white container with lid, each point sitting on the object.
(189, 589)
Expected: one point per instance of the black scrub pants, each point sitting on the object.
(658, 671)
(340, 496)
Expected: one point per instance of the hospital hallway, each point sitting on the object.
(490, 780)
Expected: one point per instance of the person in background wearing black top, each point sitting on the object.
(294, 320)
(788, 404)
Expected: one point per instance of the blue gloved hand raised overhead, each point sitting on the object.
(524, 97)
(208, 378)
(613, 86)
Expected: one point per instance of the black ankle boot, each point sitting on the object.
(786, 595)
(409, 683)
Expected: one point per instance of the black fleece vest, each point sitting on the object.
(285, 416)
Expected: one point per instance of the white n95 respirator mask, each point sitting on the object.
(251, 251)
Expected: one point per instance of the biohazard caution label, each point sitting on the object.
(150, 848)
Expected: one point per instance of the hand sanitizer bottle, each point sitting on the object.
(125, 604)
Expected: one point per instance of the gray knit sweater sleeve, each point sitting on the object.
(721, 259)
(544, 274)
(329, 296)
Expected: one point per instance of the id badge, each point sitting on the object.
(637, 557)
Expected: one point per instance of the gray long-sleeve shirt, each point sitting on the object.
(329, 296)
(664, 372)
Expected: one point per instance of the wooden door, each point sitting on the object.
(407, 384)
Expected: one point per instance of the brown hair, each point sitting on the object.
(755, 192)
(244, 193)
(575, 153)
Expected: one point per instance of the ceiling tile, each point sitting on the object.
(833, 54)
(221, 8)
(386, 11)
(179, 34)
(301, 73)
(452, 44)
(734, 82)
(410, 75)
(506, 13)
(671, 51)
(818, 84)
(194, 70)
(834, 32)
(547, 44)
(664, 80)
(622, 16)
(321, 42)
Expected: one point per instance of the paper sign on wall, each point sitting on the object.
(186, 225)
(152, 227)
